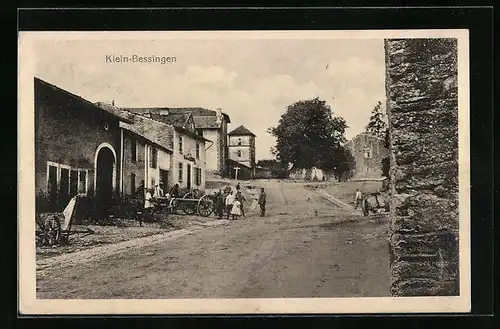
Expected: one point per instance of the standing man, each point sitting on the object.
(358, 198)
(229, 203)
(262, 202)
(219, 204)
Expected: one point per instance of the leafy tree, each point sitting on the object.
(386, 164)
(308, 135)
(377, 125)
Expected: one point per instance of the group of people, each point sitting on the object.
(227, 203)
(232, 205)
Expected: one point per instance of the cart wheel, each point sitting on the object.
(188, 195)
(205, 206)
(175, 206)
(189, 208)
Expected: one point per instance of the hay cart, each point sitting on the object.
(191, 203)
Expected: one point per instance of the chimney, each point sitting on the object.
(113, 102)
(219, 115)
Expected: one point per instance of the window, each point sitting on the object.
(197, 150)
(198, 176)
(133, 149)
(239, 153)
(64, 182)
(73, 183)
(52, 185)
(181, 173)
(239, 141)
(64, 186)
(368, 153)
(132, 184)
(180, 144)
(153, 157)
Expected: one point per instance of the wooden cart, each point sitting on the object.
(191, 203)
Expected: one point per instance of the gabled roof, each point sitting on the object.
(152, 130)
(236, 163)
(176, 120)
(107, 109)
(196, 111)
(241, 131)
(206, 122)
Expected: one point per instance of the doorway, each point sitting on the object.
(164, 179)
(104, 178)
(188, 181)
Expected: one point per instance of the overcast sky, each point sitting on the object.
(251, 80)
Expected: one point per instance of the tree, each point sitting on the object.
(308, 135)
(377, 125)
(386, 163)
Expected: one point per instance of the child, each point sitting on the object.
(229, 203)
(148, 204)
(236, 211)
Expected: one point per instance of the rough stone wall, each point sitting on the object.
(371, 167)
(421, 88)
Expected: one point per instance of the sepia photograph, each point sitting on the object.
(244, 172)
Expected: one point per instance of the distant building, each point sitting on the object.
(242, 150)
(211, 124)
(368, 151)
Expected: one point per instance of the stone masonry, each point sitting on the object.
(422, 106)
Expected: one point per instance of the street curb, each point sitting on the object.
(334, 200)
(107, 250)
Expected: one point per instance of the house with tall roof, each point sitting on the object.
(77, 147)
(104, 152)
(188, 149)
(241, 145)
(210, 124)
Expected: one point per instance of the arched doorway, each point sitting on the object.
(105, 170)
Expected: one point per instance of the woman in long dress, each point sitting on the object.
(236, 211)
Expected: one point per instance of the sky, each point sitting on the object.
(252, 80)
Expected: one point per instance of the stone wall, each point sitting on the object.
(422, 105)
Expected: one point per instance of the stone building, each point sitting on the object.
(77, 147)
(147, 155)
(104, 152)
(188, 157)
(210, 124)
(422, 103)
(368, 151)
(242, 148)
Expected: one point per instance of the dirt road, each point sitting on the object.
(305, 247)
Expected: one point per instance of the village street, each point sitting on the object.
(305, 247)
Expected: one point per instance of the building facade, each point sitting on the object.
(104, 152)
(210, 124)
(242, 147)
(77, 147)
(188, 157)
(368, 151)
(147, 155)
